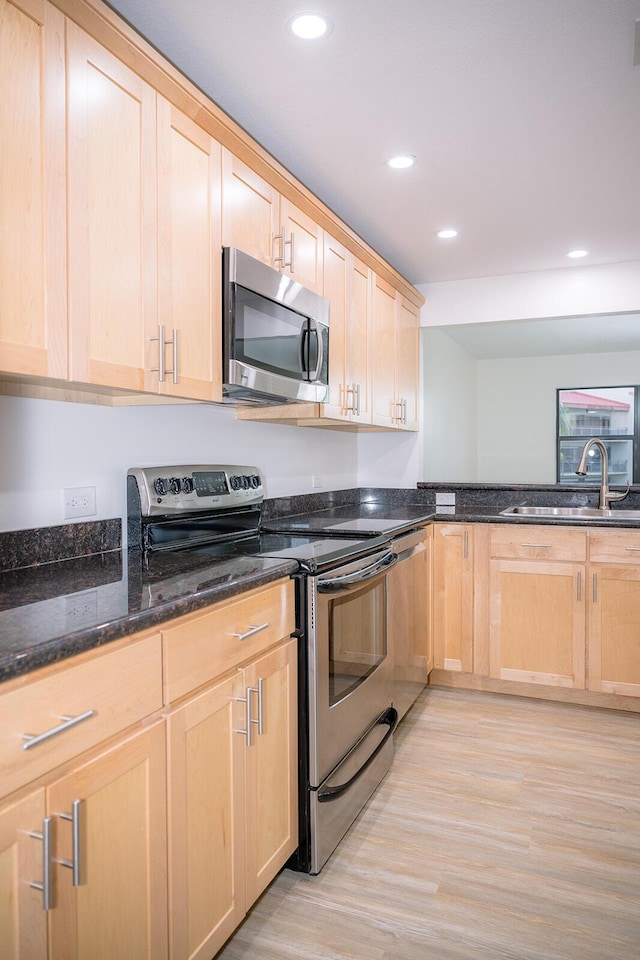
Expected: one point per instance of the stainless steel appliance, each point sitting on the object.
(275, 335)
(346, 671)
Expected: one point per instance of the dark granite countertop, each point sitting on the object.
(56, 610)
(368, 518)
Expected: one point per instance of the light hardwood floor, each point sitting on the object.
(507, 829)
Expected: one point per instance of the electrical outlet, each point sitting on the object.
(318, 481)
(79, 502)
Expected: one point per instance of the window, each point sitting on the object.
(610, 413)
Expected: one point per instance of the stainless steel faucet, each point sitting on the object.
(606, 496)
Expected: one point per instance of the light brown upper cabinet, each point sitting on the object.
(347, 287)
(112, 215)
(257, 220)
(395, 358)
(189, 326)
(144, 234)
(33, 298)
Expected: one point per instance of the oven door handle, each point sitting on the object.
(367, 573)
(390, 718)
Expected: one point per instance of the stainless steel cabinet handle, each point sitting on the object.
(281, 237)
(404, 411)
(259, 691)
(174, 344)
(74, 863)
(351, 407)
(291, 263)
(595, 587)
(33, 740)
(45, 885)
(547, 545)
(633, 549)
(579, 587)
(248, 718)
(356, 388)
(250, 632)
(160, 369)
(465, 542)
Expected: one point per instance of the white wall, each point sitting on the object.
(48, 445)
(516, 404)
(572, 292)
(450, 427)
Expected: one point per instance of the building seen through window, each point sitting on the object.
(610, 413)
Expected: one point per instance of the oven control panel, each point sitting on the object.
(188, 488)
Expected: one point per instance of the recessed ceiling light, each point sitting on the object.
(402, 161)
(447, 234)
(576, 254)
(309, 26)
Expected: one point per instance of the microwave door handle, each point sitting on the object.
(304, 350)
(367, 573)
(314, 329)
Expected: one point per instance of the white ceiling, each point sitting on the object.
(524, 116)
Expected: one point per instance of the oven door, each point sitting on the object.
(350, 670)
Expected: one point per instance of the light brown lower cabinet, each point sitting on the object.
(86, 856)
(23, 922)
(614, 629)
(453, 596)
(232, 799)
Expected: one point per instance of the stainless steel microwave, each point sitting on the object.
(275, 335)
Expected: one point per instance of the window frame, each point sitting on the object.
(635, 438)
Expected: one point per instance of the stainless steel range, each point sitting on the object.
(346, 673)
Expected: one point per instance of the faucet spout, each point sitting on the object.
(607, 496)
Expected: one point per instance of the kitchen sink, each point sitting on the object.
(577, 513)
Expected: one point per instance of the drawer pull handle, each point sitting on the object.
(250, 632)
(633, 549)
(45, 886)
(536, 545)
(68, 722)
(73, 864)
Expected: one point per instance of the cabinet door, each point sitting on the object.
(614, 635)
(250, 211)
(206, 830)
(189, 260)
(453, 597)
(427, 588)
(337, 263)
(385, 411)
(408, 613)
(120, 907)
(23, 921)
(33, 307)
(407, 363)
(304, 246)
(537, 622)
(358, 360)
(112, 215)
(271, 766)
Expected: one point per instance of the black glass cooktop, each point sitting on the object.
(312, 553)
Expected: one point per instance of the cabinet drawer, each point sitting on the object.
(120, 687)
(202, 647)
(615, 546)
(538, 542)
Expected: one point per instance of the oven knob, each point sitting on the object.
(161, 486)
(255, 481)
(187, 485)
(174, 485)
(236, 482)
(246, 483)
